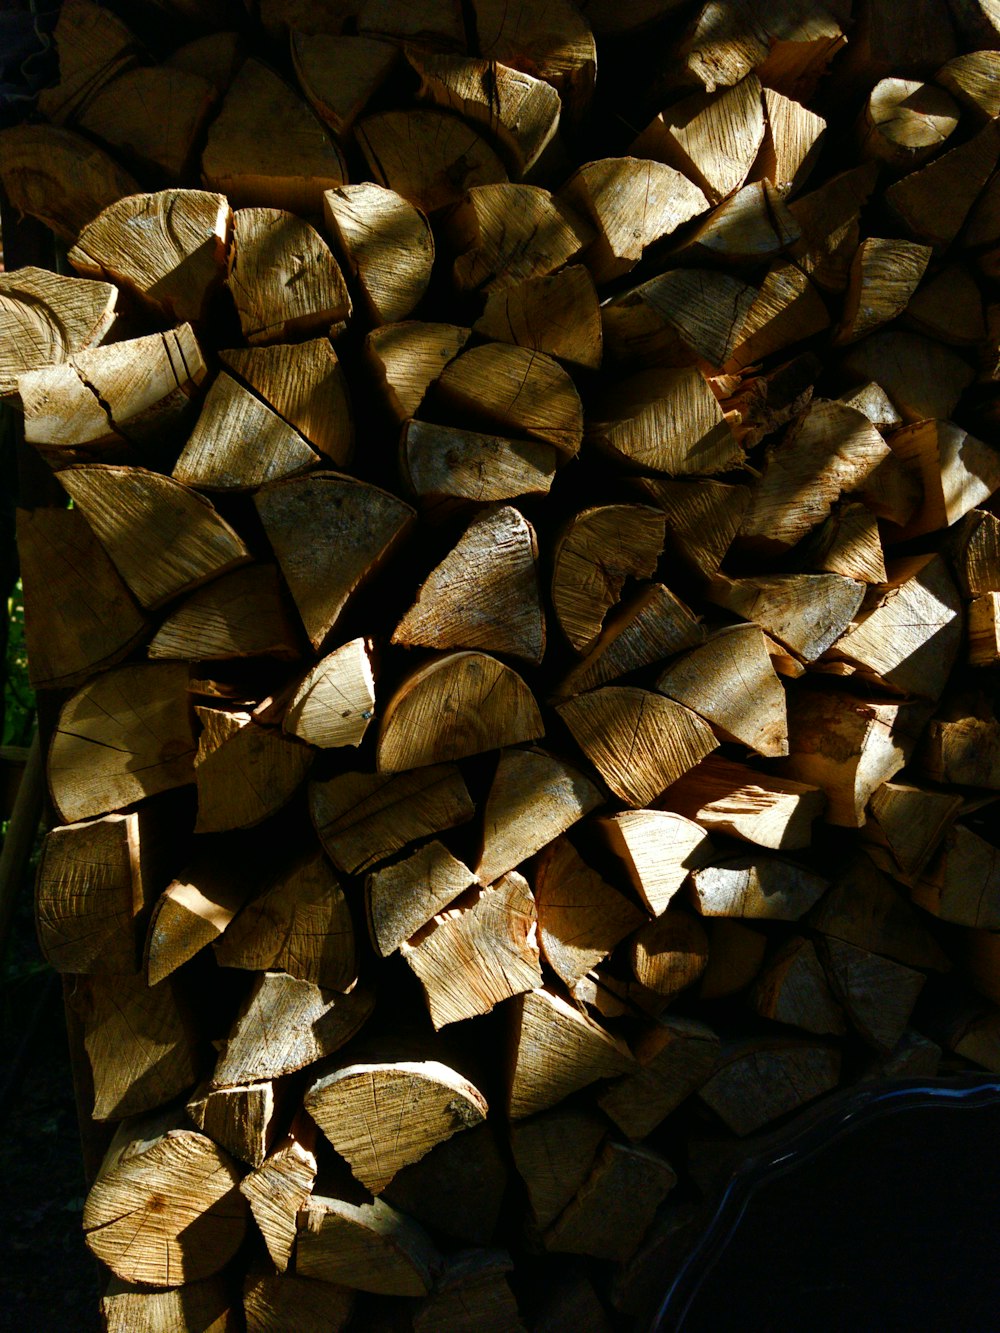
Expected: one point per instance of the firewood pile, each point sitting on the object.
(525, 631)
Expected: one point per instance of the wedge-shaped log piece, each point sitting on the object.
(78, 616)
(484, 594)
(386, 245)
(793, 138)
(283, 279)
(786, 310)
(962, 883)
(956, 470)
(285, 1024)
(124, 736)
(272, 1301)
(950, 307)
(680, 315)
(984, 630)
(751, 226)
(729, 798)
(865, 910)
(659, 849)
(829, 450)
(241, 1120)
(702, 518)
(877, 993)
(59, 177)
(793, 989)
(594, 554)
(908, 631)
(266, 149)
(534, 798)
(244, 771)
(340, 74)
(446, 468)
(505, 234)
(735, 956)
(518, 112)
(403, 897)
(974, 548)
(45, 318)
(428, 156)
(883, 277)
(478, 953)
(455, 706)
(516, 391)
(664, 420)
(962, 744)
(558, 314)
(932, 202)
(305, 384)
(972, 79)
(192, 912)
(757, 888)
(713, 138)
(849, 747)
(904, 122)
(806, 612)
(553, 1153)
(552, 41)
(383, 1115)
(406, 359)
(204, 1305)
(427, 24)
(848, 543)
(153, 116)
(165, 1207)
(555, 1051)
(730, 681)
(216, 57)
(169, 248)
(651, 626)
(367, 1246)
(279, 1187)
(329, 533)
(873, 401)
(760, 1079)
(638, 741)
(93, 46)
(95, 882)
(472, 1288)
(669, 954)
(581, 918)
(827, 220)
(336, 701)
(614, 1206)
(362, 818)
(632, 203)
(242, 614)
(905, 825)
(140, 1043)
(675, 1056)
(300, 924)
(922, 377)
(457, 1188)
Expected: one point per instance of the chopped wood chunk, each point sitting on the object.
(735, 955)
(246, 772)
(786, 310)
(675, 1056)
(192, 912)
(614, 1207)
(751, 226)
(972, 79)
(153, 116)
(406, 359)
(340, 74)
(702, 518)
(756, 888)
(974, 547)
(793, 989)
(827, 220)
(457, 1188)
(909, 822)
(506, 234)
(759, 1080)
(950, 307)
(848, 544)
(93, 46)
(793, 138)
(427, 24)
(271, 1301)
(429, 157)
(447, 468)
(962, 745)
(877, 993)
(984, 630)
(335, 703)
(208, 1304)
(216, 57)
(729, 798)
(682, 314)
(669, 954)
(962, 882)
(957, 472)
(387, 246)
(806, 612)
(242, 614)
(46, 318)
(367, 1246)
(933, 201)
(241, 1120)
(905, 122)
(472, 1290)
(923, 378)
(884, 275)
(279, 1187)
(659, 849)
(551, 40)
(557, 314)
(403, 897)
(553, 1153)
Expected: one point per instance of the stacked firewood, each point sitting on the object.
(526, 628)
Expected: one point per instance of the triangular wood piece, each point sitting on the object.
(505, 234)
(702, 518)
(403, 897)
(406, 359)
(675, 1056)
(458, 1188)
(432, 25)
(877, 993)
(153, 117)
(447, 468)
(849, 544)
(244, 771)
(884, 275)
(46, 318)
(751, 226)
(329, 533)
(192, 912)
(340, 74)
(556, 1050)
(387, 246)
(242, 614)
(216, 57)
(669, 954)
(336, 701)
(734, 799)
(266, 148)
(806, 612)
(922, 377)
(553, 1153)
(614, 1206)
(792, 141)
(759, 1080)
(455, 706)
(241, 1120)
(279, 1187)
(786, 310)
(558, 314)
(793, 989)
(484, 594)
(93, 46)
(125, 1307)
(367, 1246)
(932, 202)
(905, 826)
(956, 472)
(170, 248)
(904, 122)
(659, 849)
(680, 315)
(429, 157)
(974, 79)
(551, 40)
(756, 887)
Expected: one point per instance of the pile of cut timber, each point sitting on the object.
(525, 635)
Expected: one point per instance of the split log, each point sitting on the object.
(403, 897)
(908, 822)
(793, 989)
(515, 391)
(279, 1187)
(949, 307)
(340, 74)
(124, 736)
(638, 741)
(878, 994)
(826, 221)
(505, 234)
(283, 278)
(904, 122)
(93, 46)
(192, 912)
(242, 614)
(367, 1246)
(805, 612)
(477, 953)
(266, 149)
(553, 41)
(884, 275)
(556, 1050)
(793, 138)
(553, 1153)
(962, 882)
(472, 1292)
(429, 157)
(923, 378)
(932, 202)
(447, 468)
(363, 818)
(535, 797)
(59, 177)
(735, 956)
(241, 1120)
(557, 314)
(457, 1189)
(273, 1300)
(787, 310)
(703, 517)
(756, 888)
(751, 226)
(79, 617)
(165, 1207)
(201, 1306)
(335, 702)
(848, 543)
(659, 849)
(730, 798)
(873, 401)
(971, 80)
(961, 746)
(669, 954)
(681, 315)
(974, 547)
(984, 630)
(759, 1080)
(594, 554)
(383, 1115)
(153, 116)
(457, 705)
(615, 1205)
(674, 1056)
(484, 594)
(329, 533)
(244, 771)
(386, 244)
(406, 359)
(46, 318)
(169, 248)
(305, 384)
(216, 57)
(956, 472)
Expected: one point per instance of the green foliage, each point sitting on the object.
(19, 700)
